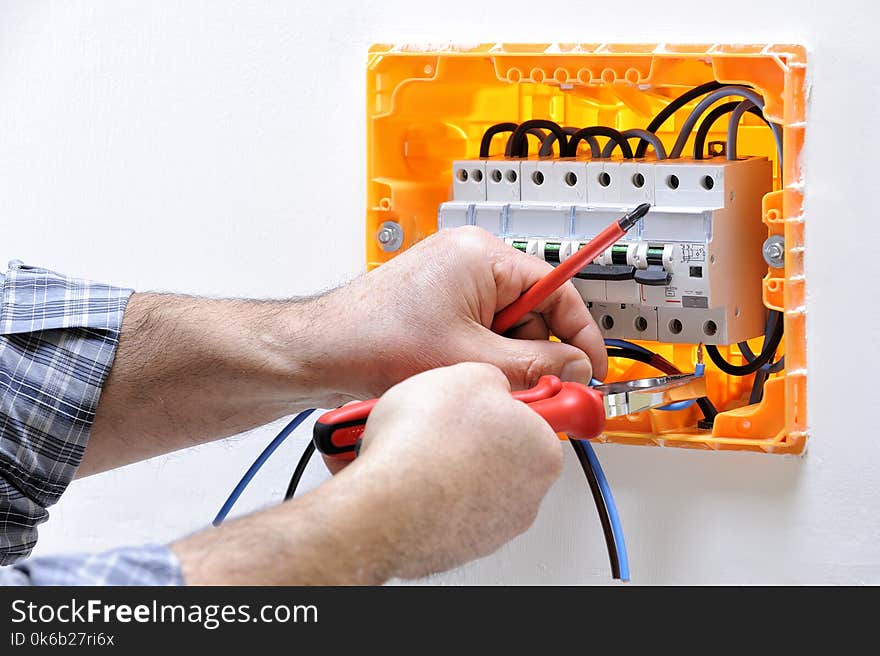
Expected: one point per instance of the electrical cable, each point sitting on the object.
(518, 142)
(710, 120)
(757, 392)
(546, 149)
(498, 128)
(637, 133)
(749, 355)
(599, 131)
(761, 376)
(622, 343)
(654, 359)
(300, 469)
(535, 132)
(609, 518)
(673, 106)
(774, 329)
(775, 128)
(733, 126)
(772, 338)
(258, 463)
(703, 105)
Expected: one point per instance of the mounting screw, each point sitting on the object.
(774, 251)
(390, 236)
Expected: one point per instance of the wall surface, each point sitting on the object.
(182, 149)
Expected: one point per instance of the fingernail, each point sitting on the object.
(577, 371)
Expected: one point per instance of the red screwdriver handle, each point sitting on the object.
(568, 408)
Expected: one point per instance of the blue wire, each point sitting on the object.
(622, 343)
(259, 462)
(678, 405)
(613, 516)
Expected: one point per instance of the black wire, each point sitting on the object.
(524, 151)
(772, 338)
(706, 406)
(498, 128)
(761, 376)
(598, 131)
(601, 506)
(673, 107)
(757, 392)
(300, 468)
(777, 366)
(546, 149)
(710, 120)
(774, 368)
(518, 142)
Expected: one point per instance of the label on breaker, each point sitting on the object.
(695, 302)
(693, 252)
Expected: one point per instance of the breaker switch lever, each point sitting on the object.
(654, 276)
(606, 272)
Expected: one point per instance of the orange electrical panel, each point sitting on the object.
(428, 108)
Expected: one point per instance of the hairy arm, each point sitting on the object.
(189, 370)
(451, 466)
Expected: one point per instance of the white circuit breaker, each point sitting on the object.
(689, 272)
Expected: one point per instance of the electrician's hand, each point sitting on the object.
(432, 306)
(456, 467)
(451, 468)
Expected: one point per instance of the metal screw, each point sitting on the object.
(390, 236)
(774, 251)
(386, 235)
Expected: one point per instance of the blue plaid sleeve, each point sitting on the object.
(58, 338)
(147, 565)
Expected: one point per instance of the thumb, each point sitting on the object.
(524, 361)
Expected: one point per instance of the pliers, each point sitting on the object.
(570, 408)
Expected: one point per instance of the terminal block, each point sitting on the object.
(691, 270)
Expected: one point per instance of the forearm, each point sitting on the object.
(342, 533)
(190, 370)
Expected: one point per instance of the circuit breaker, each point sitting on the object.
(544, 145)
(691, 270)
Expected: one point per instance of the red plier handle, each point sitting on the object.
(568, 407)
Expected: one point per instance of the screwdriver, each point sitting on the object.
(538, 292)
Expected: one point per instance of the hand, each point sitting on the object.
(451, 467)
(432, 306)
(455, 465)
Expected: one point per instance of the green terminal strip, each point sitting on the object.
(618, 254)
(655, 255)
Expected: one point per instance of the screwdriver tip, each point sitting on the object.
(631, 218)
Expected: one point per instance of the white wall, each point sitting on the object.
(181, 149)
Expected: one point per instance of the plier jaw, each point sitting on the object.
(632, 396)
(571, 408)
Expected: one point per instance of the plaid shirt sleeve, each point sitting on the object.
(58, 338)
